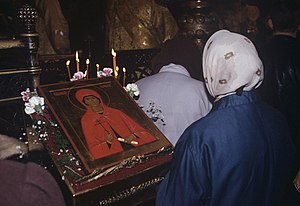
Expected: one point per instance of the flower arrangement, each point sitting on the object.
(33, 103)
(105, 72)
(43, 126)
(35, 108)
(77, 76)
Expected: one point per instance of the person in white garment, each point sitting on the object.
(176, 89)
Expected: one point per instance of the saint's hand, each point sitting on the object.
(109, 138)
(131, 139)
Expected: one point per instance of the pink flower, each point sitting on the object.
(105, 72)
(77, 75)
(26, 95)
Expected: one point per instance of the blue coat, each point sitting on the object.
(239, 154)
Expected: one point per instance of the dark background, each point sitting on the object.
(86, 20)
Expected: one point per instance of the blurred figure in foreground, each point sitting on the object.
(12, 148)
(24, 183)
(27, 184)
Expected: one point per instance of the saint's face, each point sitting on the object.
(91, 101)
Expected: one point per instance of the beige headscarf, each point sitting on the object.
(230, 63)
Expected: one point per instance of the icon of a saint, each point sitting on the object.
(108, 130)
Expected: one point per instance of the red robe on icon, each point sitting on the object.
(98, 126)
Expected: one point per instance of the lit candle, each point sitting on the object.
(114, 54)
(87, 62)
(98, 68)
(77, 61)
(117, 73)
(124, 76)
(85, 74)
(68, 68)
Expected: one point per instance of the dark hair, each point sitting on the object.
(180, 50)
(285, 16)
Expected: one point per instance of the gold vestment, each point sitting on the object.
(52, 27)
(138, 24)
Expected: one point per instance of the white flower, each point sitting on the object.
(132, 87)
(29, 109)
(36, 100)
(34, 104)
(132, 90)
(137, 93)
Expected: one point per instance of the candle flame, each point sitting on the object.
(113, 52)
(68, 62)
(124, 70)
(77, 55)
(97, 65)
(117, 68)
(87, 61)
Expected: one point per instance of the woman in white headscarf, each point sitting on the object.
(241, 152)
(231, 64)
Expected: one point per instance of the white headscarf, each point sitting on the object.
(230, 62)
